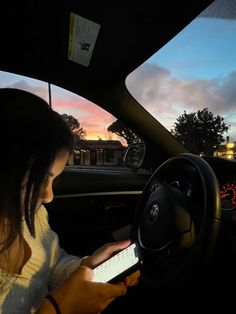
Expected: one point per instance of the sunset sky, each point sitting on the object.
(197, 69)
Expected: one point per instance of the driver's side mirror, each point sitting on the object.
(134, 155)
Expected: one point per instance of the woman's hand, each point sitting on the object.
(79, 295)
(105, 252)
(133, 279)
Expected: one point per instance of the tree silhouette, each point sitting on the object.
(200, 132)
(120, 129)
(79, 132)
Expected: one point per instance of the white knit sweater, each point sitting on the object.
(47, 267)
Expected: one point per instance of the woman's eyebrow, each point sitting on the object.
(51, 174)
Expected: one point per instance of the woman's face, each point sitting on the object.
(57, 167)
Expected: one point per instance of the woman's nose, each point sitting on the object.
(47, 194)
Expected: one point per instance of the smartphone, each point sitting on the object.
(120, 265)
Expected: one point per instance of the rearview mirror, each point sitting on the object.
(134, 155)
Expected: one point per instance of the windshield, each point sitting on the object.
(193, 77)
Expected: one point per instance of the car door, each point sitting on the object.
(93, 206)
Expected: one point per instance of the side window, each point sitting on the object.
(100, 140)
(97, 143)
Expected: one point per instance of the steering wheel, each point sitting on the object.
(177, 221)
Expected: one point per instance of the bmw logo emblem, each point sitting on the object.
(154, 212)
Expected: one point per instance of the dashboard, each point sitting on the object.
(228, 195)
(225, 170)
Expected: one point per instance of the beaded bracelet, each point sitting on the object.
(54, 303)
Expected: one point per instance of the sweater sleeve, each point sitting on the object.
(61, 263)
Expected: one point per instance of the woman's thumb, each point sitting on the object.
(85, 273)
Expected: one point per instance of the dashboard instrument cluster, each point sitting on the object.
(228, 196)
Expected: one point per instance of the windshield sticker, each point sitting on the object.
(82, 38)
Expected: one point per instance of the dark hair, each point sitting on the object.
(31, 135)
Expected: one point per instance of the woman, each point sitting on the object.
(36, 275)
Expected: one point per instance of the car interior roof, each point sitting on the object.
(35, 37)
